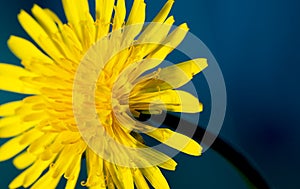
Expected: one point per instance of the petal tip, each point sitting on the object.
(184, 27)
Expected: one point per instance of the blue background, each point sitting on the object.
(256, 44)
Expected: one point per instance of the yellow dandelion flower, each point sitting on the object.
(86, 86)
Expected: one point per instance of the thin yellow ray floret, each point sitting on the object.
(171, 100)
(164, 12)
(72, 173)
(170, 43)
(137, 13)
(17, 46)
(170, 77)
(24, 160)
(54, 17)
(8, 109)
(120, 14)
(75, 11)
(10, 77)
(139, 180)
(177, 141)
(27, 177)
(17, 144)
(104, 10)
(44, 20)
(38, 34)
(155, 177)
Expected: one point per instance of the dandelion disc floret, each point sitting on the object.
(87, 83)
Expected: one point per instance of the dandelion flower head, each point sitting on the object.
(101, 60)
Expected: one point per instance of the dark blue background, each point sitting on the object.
(256, 43)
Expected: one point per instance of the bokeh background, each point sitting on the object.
(256, 44)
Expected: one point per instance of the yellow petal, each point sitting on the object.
(71, 39)
(61, 165)
(125, 176)
(13, 147)
(10, 79)
(110, 183)
(121, 176)
(149, 39)
(8, 121)
(72, 169)
(72, 179)
(95, 168)
(82, 9)
(29, 136)
(65, 159)
(114, 175)
(32, 105)
(58, 143)
(54, 17)
(134, 22)
(44, 69)
(35, 116)
(18, 123)
(171, 77)
(9, 108)
(162, 15)
(129, 76)
(17, 46)
(24, 160)
(35, 171)
(171, 100)
(170, 43)
(15, 129)
(177, 141)
(44, 19)
(155, 177)
(153, 157)
(17, 182)
(104, 10)
(179, 74)
(145, 156)
(89, 34)
(38, 34)
(149, 35)
(168, 165)
(70, 10)
(139, 179)
(137, 13)
(31, 26)
(30, 175)
(120, 14)
(46, 154)
(81, 20)
(46, 181)
(41, 143)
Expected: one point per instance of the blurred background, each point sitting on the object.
(256, 44)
